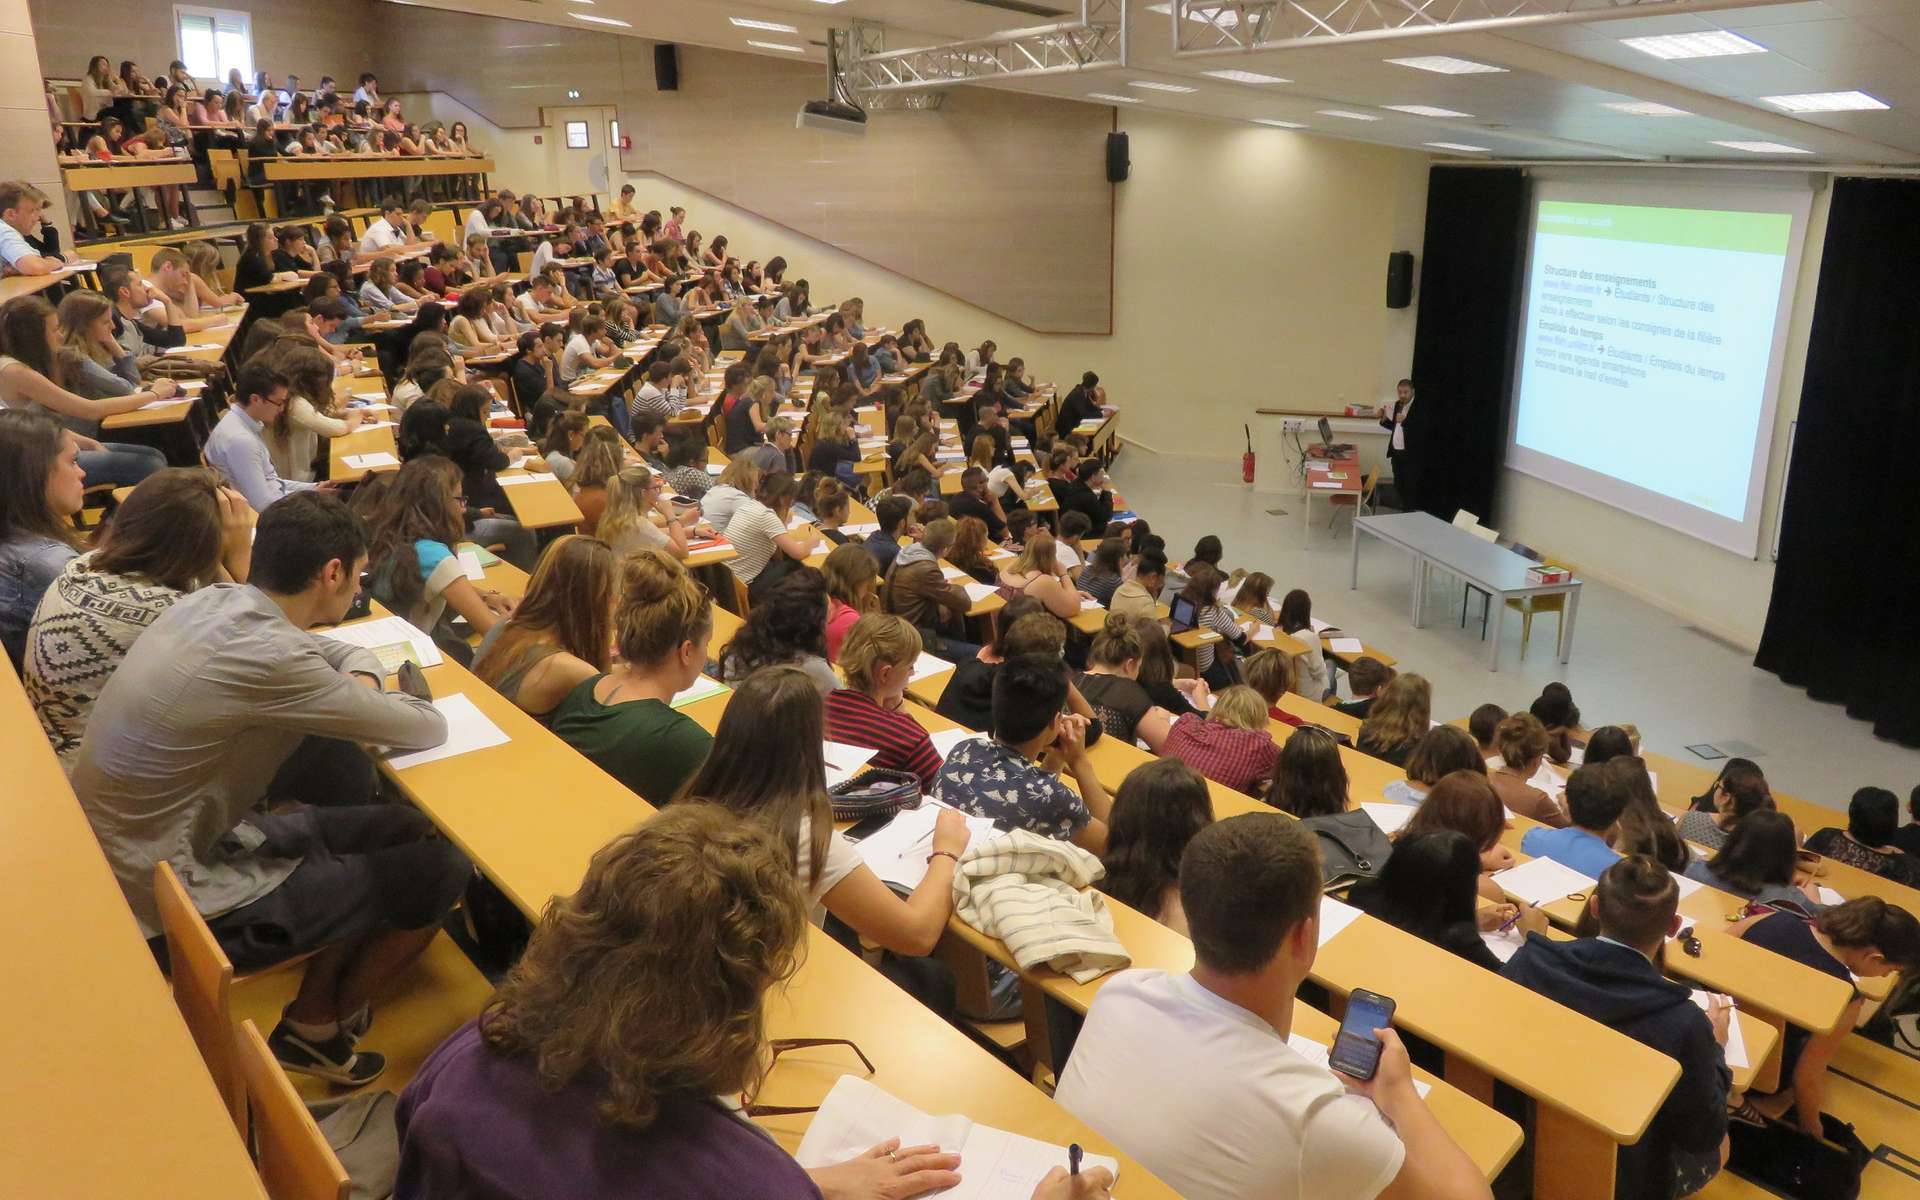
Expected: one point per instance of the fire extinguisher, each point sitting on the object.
(1246, 460)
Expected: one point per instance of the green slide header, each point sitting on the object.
(1707, 229)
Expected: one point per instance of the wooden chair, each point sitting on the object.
(1362, 501)
(741, 605)
(202, 980)
(1530, 606)
(293, 1157)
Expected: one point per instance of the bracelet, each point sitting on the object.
(948, 853)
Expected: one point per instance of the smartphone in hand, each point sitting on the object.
(1356, 1052)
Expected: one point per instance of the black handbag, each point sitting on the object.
(1352, 848)
(875, 792)
(1786, 1160)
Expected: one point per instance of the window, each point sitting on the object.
(576, 135)
(214, 41)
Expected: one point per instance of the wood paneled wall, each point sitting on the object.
(334, 38)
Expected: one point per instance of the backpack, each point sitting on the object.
(1792, 1163)
(1352, 848)
(1896, 1023)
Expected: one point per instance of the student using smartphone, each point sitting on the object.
(1237, 1112)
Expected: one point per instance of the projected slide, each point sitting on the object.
(1645, 356)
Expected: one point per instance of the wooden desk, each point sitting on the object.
(1315, 713)
(171, 413)
(15, 286)
(110, 1095)
(130, 173)
(1092, 620)
(369, 166)
(540, 505)
(360, 441)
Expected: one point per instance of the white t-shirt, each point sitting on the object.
(529, 307)
(476, 225)
(842, 861)
(578, 347)
(1065, 555)
(1240, 1116)
(1001, 481)
(379, 236)
(542, 255)
(752, 530)
(720, 503)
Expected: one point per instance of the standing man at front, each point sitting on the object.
(1404, 460)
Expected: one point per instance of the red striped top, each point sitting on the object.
(854, 718)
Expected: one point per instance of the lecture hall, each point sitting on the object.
(866, 599)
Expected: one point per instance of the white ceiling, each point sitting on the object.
(1547, 104)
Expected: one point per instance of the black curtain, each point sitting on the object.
(1463, 342)
(1844, 622)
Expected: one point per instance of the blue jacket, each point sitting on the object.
(1587, 853)
(1618, 987)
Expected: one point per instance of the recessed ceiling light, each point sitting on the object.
(601, 20)
(1113, 99)
(1225, 18)
(1441, 64)
(1819, 102)
(1245, 77)
(583, 1)
(1646, 108)
(829, 1)
(573, 93)
(780, 46)
(1278, 124)
(769, 26)
(1153, 86)
(1763, 147)
(1351, 116)
(1458, 146)
(1425, 110)
(1714, 43)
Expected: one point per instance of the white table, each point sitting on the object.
(1492, 568)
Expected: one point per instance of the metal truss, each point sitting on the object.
(1098, 39)
(1237, 26)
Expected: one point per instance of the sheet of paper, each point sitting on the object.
(1736, 1040)
(513, 480)
(1389, 817)
(1089, 604)
(1345, 645)
(367, 462)
(1828, 896)
(167, 403)
(470, 563)
(1321, 1055)
(946, 739)
(1542, 880)
(1335, 915)
(1548, 780)
(927, 666)
(861, 528)
(716, 468)
(700, 689)
(977, 592)
(898, 851)
(952, 573)
(1319, 626)
(393, 640)
(468, 729)
(1319, 484)
(844, 761)
(1687, 886)
(1504, 943)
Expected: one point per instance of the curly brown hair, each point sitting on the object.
(650, 978)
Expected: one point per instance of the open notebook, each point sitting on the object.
(994, 1164)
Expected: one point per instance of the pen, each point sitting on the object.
(1073, 1158)
(1510, 920)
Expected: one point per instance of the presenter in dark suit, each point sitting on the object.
(1402, 450)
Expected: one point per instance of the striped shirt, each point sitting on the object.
(855, 718)
(1219, 619)
(1239, 758)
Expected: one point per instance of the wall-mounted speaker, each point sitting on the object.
(1117, 161)
(1400, 279)
(666, 67)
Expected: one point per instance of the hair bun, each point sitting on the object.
(649, 576)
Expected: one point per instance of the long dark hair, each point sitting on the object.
(789, 624)
(1156, 812)
(1465, 802)
(1761, 851)
(568, 603)
(23, 335)
(423, 430)
(1309, 780)
(766, 764)
(31, 443)
(1644, 827)
(167, 530)
(1003, 621)
(418, 506)
(1428, 883)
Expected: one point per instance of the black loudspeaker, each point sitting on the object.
(1117, 162)
(1400, 279)
(666, 67)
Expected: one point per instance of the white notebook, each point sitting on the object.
(1542, 881)
(994, 1164)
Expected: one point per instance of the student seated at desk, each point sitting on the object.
(1907, 837)
(1759, 863)
(1595, 799)
(510, 1107)
(917, 589)
(380, 296)
(1556, 711)
(1368, 676)
(1270, 673)
(1001, 778)
(969, 551)
(413, 569)
(766, 550)
(975, 499)
(1484, 724)
(1740, 791)
(237, 447)
(1866, 938)
(1159, 808)
(1615, 978)
(635, 497)
(1398, 719)
(1463, 801)
(1522, 743)
(1036, 574)
(1428, 887)
(1237, 1112)
(561, 443)
(560, 632)
(41, 488)
(1873, 816)
(877, 658)
(1111, 685)
(1308, 778)
(73, 369)
(178, 531)
(891, 513)
(852, 592)
(1139, 596)
(786, 627)
(225, 701)
(1444, 750)
(623, 720)
(1101, 576)
(311, 412)
(1230, 745)
(1312, 672)
(1644, 827)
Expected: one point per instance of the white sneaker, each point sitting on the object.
(326, 201)
(177, 223)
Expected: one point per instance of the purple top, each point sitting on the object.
(477, 1125)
